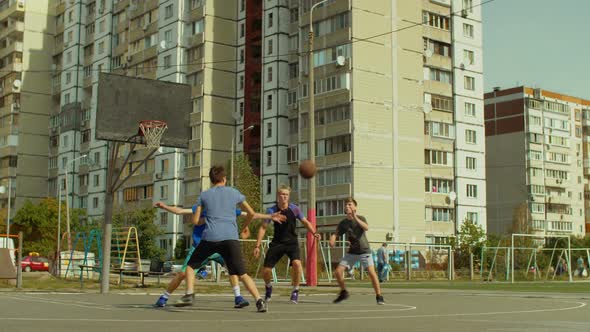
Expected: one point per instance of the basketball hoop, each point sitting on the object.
(152, 130)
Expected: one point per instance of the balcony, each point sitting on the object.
(15, 30)
(194, 40)
(14, 47)
(16, 8)
(197, 91)
(119, 6)
(194, 66)
(439, 61)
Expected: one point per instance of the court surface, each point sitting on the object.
(405, 310)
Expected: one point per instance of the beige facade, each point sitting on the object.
(25, 99)
(537, 156)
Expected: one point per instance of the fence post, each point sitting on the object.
(408, 262)
(471, 266)
(19, 270)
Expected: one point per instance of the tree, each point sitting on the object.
(38, 222)
(470, 240)
(147, 231)
(521, 219)
(248, 184)
(180, 249)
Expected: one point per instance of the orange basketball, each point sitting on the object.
(307, 169)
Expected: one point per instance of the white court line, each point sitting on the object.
(73, 304)
(272, 319)
(406, 308)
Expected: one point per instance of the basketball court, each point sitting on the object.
(410, 310)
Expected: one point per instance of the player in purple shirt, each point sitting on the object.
(284, 242)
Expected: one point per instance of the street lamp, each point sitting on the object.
(68, 201)
(2, 191)
(233, 152)
(311, 248)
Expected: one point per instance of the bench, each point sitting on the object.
(120, 271)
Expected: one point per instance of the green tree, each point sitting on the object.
(470, 240)
(38, 222)
(180, 249)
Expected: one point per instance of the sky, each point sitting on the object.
(537, 43)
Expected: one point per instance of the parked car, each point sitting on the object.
(34, 263)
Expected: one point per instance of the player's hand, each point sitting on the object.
(245, 233)
(159, 205)
(332, 243)
(278, 217)
(317, 236)
(257, 252)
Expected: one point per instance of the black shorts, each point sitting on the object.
(277, 250)
(229, 250)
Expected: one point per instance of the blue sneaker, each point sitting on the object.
(267, 293)
(295, 296)
(161, 303)
(241, 302)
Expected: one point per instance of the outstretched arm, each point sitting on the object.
(173, 209)
(332, 240)
(261, 232)
(309, 227)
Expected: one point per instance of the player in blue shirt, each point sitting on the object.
(240, 302)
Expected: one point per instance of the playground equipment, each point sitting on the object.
(125, 249)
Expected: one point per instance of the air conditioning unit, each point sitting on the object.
(159, 176)
(15, 107)
(21, 4)
(129, 58)
(464, 13)
(462, 66)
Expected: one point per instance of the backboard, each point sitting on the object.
(124, 101)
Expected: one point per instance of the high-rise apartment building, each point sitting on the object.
(399, 114)
(537, 158)
(25, 96)
(373, 140)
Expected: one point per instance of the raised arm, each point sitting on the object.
(360, 221)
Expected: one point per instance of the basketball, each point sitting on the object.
(307, 169)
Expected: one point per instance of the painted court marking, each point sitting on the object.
(390, 309)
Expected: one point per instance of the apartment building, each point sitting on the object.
(394, 114)
(25, 96)
(537, 157)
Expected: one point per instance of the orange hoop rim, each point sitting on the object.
(153, 123)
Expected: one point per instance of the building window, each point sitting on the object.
(434, 157)
(468, 57)
(467, 30)
(242, 30)
(470, 136)
(268, 129)
(241, 136)
(269, 74)
(270, 20)
(163, 218)
(268, 158)
(268, 186)
(164, 192)
(168, 12)
(97, 157)
(95, 202)
(440, 75)
(472, 216)
(435, 20)
(242, 56)
(471, 191)
(292, 154)
(269, 102)
(469, 83)
(294, 15)
(242, 5)
(241, 109)
(167, 62)
(96, 178)
(469, 109)
(440, 186)
(439, 214)
(241, 83)
(168, 37)
(470, 163)
(269, 47)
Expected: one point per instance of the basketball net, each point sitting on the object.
(152, 130)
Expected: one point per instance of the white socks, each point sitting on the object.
(166, 295)
(236, 291)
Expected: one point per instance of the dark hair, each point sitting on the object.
(384, 244)
(350, 199)
(216, 174)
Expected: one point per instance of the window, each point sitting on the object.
(440, 75)
(101, 47)
(441, 186)
(242, 56)
(163, 218)
(269, 47)
(241, 106)
(331, 24)
(330, 208)
(164, 244)
(472, 216)
(439, 129)
(242, 30)
(270, 20)
(469, 83)
(96, 179)
(468, 5)
(164, 192)
(268, 129)
(333, 145)
(470, 136)
(241, 83)
(168, 37)
(242, 5)
(293, 70)
(294, 15)
(437, 47)
(467, 30)
(97, 158)
(164, 166)
(471, 191)
(440, 214)
(469, 109)
(333, 176)
(269, 102)
(269, 74)
(268, 158)
(470, 163)
(268, 186)
(168, 12)
(292, 154)
(441, 103)
(537, 208)
(167, 62)
(68, 78)
(95, 202)
(434, 157)
(468, 57)
(435, 20)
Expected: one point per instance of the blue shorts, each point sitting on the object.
(213, 258)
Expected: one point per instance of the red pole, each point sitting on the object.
(311, 273)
